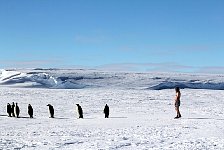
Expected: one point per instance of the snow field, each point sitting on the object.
(139, 119)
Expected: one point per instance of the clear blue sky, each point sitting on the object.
(157, 35)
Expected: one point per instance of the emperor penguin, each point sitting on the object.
(17, 110)
(51, 110)
(13, 109)
(80, 112)
(30, 111)
(9, 109)
(106, 111)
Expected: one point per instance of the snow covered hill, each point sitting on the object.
(79, 78)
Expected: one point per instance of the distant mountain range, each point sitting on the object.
(84, 78)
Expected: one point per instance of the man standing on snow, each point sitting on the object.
(177, 102)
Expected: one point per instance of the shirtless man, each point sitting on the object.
(177, 102)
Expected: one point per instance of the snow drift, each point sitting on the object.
(79, 78)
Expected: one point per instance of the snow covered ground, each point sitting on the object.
(140, 118)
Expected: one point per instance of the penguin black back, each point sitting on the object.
(30, 111)
(80, 112)
(51, 110)
(17, 110)
(106, 111)
(13, 109)
(9, 110)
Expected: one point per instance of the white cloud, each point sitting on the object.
(160, 67)
(211, 69)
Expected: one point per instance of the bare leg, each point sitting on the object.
(179, 115)
(178, 112)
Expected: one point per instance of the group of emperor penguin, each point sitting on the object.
(13, 110)
(80, 111)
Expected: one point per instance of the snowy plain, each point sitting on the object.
(141, 110)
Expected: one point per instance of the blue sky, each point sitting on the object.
(137, 35)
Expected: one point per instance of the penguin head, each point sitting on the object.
(48, 104)
(77, 104)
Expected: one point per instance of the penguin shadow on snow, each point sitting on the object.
(201, 118)
(25, 117)
(59, 118)
(86, 118)
(122, 117)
